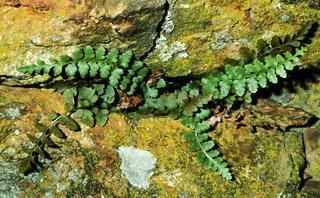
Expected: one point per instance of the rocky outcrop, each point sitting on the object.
(31, 29)
(181, 37)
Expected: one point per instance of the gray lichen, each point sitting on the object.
(286, 17)
(13, 113)
(168, 25)
(177, 49)
(9, 178)
(137, 165)
(222, 40)
(169, 51)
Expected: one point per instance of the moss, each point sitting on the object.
(295, 149)
(4, 132)
(97, 164)
(312, 3)
(90, 184)
(19, 42)
(316, 169)
(240, 20)
(257, 157)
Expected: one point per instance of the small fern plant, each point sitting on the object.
(95, 82)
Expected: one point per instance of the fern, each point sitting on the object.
(115, 73)
(36, 155)
(97, 82)
(201, 144)
(243, 81)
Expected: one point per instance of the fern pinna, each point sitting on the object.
(95, 82)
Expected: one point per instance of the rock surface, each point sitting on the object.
(181, 37)
(213, 30)
(88, 163)
(312, 146)
(34, 29)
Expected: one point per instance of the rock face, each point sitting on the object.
(212, 30)
(181, 37)
(44, 28)
(312, 145)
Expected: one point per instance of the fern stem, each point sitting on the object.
(46, 131)
(205, 152)
(271, 49)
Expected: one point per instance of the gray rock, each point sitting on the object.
(137, 165)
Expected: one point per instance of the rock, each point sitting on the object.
(47, 28)
(268, 113)
(88, 164)
(311, 189)
(193, 43)
(222, 28)
(137, 165)
(312, 150)
(302, 92)
(181, 37)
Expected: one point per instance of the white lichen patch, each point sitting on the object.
(278, 5)
(168, 25)
(36, 40)
(17, 132)
(60, 187)
(9, 177)
(13, 113)
(185, 6)
(167, 51)
(177, 49)
(267, 35)
(75, 175)
(137, 165)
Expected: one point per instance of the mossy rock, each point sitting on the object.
(89, 163)
(30, 30)
(312, 3)
(198, 44)
(207, 39)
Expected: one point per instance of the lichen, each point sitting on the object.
(166, 51)
(222, 40)
(168, 25)
(13, 113)
(177, 49)
(137, 165)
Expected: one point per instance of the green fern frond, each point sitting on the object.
(203, 146)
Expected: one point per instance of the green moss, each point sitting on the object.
(198, 32)
(4, 132)
(90, 184)
(312, 3)
(295, 149)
